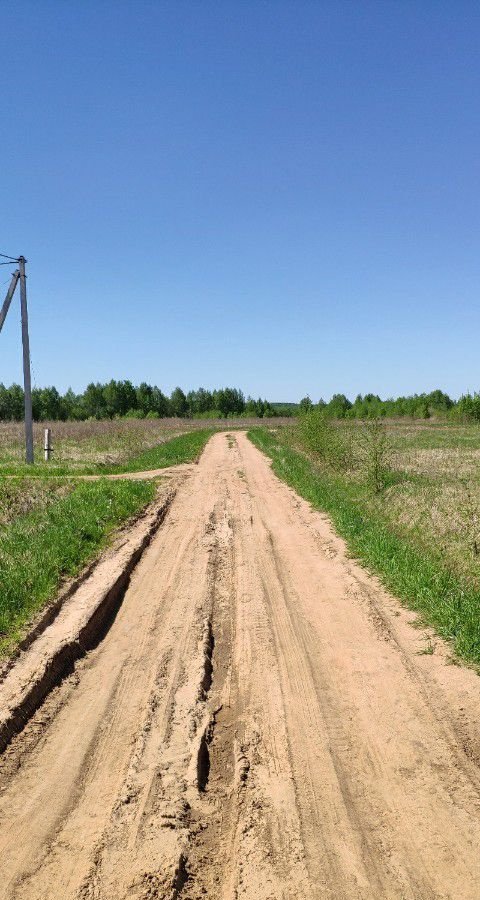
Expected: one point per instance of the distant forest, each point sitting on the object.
(416, 406)
(119, 399)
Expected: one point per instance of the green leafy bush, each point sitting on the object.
(332, 443)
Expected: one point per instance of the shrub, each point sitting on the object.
(332, 442)
(375, 452)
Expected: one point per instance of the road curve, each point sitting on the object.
(256, 723)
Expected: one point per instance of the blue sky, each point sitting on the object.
(282, 196)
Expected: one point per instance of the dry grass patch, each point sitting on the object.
(92, 443)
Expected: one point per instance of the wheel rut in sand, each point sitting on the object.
(255, 723)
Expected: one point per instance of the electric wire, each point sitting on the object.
(34, 374)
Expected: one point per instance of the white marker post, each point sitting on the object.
(47, 446)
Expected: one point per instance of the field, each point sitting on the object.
(435, 503)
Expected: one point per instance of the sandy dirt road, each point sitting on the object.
(256, 723)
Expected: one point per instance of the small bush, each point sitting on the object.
(330, 440)
(375, 453)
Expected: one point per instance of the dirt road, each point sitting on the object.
(256, 723)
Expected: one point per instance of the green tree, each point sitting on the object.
(144, 398)
(305, 404)
(72, 406)
(161, 403)
(339, 406)
(178, 403)
(94, 402)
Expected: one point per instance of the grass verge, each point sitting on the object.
(421, 579)
(39, 549)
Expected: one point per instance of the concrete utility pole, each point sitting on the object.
(27, 380)
(19, 276)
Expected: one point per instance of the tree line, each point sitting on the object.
(117, 399)
(416, 406)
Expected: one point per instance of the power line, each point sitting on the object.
(11, 258)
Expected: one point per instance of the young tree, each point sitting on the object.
(339, 406)
(305, 404)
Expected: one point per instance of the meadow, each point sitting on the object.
(90, 445)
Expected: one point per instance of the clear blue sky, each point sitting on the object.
(282, 196)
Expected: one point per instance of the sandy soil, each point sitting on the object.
(167, 471)
(256, 723)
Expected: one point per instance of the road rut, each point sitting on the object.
(256, 723)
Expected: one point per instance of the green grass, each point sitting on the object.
(19, 496)
(39, 549)
(435, 435)
(420, 577)
(182, 449)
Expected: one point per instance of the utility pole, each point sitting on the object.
(19, 276)
(27, 380)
